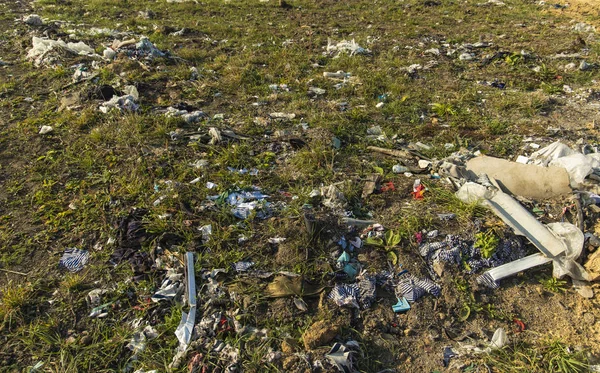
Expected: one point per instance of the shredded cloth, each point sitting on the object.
(363, 293)
(74, 259)
(345, 295)
(413, 288)
(457, 251)
(366, 291)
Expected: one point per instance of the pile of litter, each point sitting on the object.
(48, 52)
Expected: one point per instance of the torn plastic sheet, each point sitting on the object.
(577, 165)
(367, 291)
(186, 326)
(123, 103)
(244, 202)
(146, 46)
(556, 150)
(169, 289)
(560, 243)
(499, 340)
(448, 355)
(188, 116)
(137, 343)
(242, 266)
(341, 357)
(41, 48)
(346, 46)
(100, 311)
(139, 338)
(206, 232)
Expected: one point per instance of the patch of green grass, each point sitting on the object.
(13, 298)
(551, 356)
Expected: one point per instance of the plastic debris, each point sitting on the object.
(337, 75)
(446, 217)
(282, 115)
(100, 311)
(448, 355)
(242, 266)
(33, 20)
(457, 251)
(188, 116)
(81, 74)
(146, 46)
(74, 259)
(186, 326)
(315, 91)
(346, 46)
(122, 103)
(412, 288)
(39, 53)
(418, 190)
(45, 130)
(206, 232)
(541, 182)
(560, 243)
(399, 169)
(345, 295)
(577, 165)
(245, 202)
(170, 288)
(341, 357)
(401, 306)
(499, 339)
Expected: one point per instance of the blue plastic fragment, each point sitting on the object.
(401, 306)
(344, 258)
(350, 271)
(342, 242)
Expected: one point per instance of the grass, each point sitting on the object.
(550, 356)
(71, 188)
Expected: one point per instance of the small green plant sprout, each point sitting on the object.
(443, 110)
(514, 59)
(388, 243)
(487, 242)
(553, 284)
(551, 89)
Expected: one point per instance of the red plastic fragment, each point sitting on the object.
(520, 325)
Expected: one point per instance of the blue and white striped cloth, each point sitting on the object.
(74, 259)
(367, 291)
(345, 295)
(455, 250)
(413, 288)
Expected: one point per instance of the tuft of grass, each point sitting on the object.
(12, 300)
(73, 282)
(551, 356)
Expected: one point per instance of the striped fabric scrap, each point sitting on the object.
(74, 259)
(413, 288)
